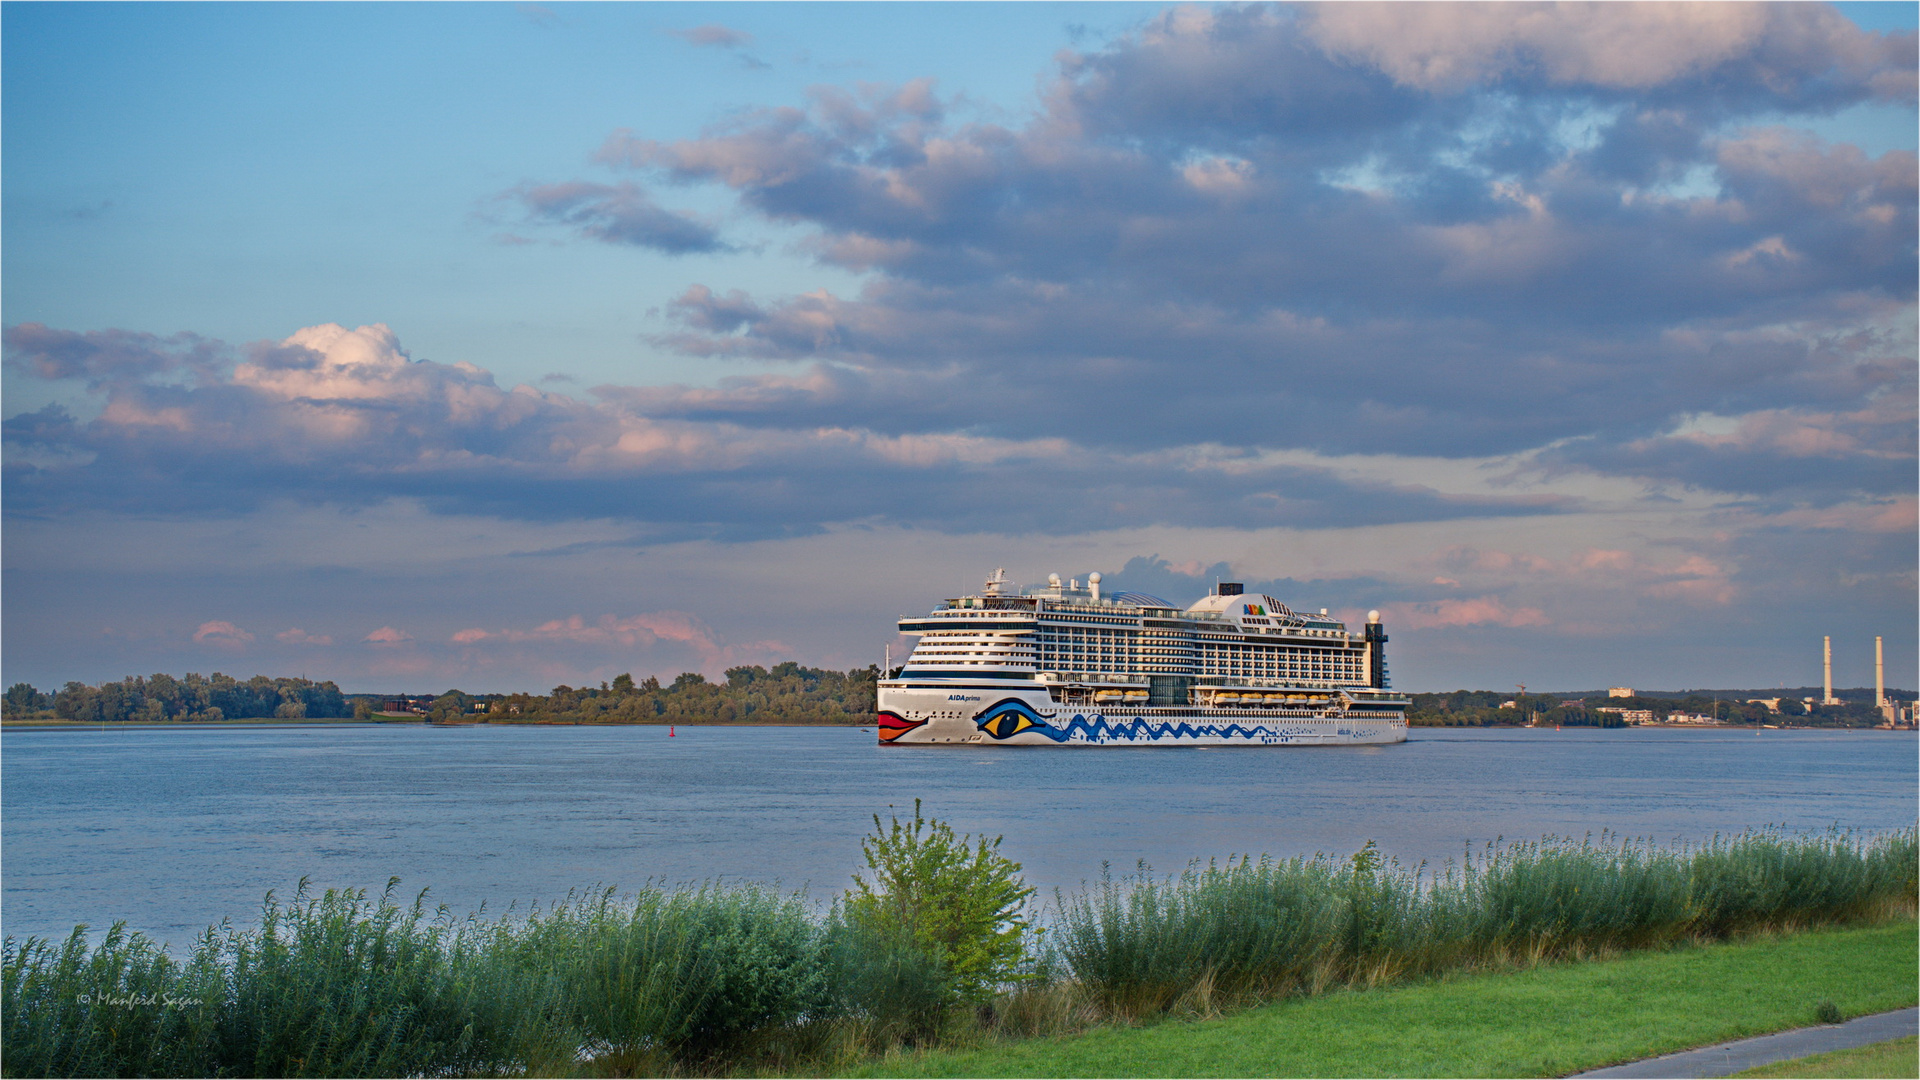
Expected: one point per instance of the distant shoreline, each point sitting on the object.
(348, 721)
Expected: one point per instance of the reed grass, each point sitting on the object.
(1266, 927)
(713, 980)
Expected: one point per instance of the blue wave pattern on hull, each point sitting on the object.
(1012, 716)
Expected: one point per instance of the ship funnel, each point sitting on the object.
(1093, 582)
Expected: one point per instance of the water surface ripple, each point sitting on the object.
(172, 829)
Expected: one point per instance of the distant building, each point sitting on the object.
(1690, 718)
(1510, 704)
(1772, 703)
(1633, 716)
(1620, 691)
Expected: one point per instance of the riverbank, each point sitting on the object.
(1547, 1020)
(725, 979)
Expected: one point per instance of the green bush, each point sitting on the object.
(958, 900)
(887, 982)
(119, 1008)
(687, 975)
(1140, 944)
(338, 985)
(333, 985)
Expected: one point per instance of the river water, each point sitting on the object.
(171, 829)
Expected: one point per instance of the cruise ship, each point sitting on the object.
(1063, 665)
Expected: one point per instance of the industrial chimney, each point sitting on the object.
(1827, 671)
(1879, 676)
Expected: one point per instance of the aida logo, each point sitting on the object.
(1256, 609)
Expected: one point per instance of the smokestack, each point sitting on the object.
(1827, 666)
(1879, 675)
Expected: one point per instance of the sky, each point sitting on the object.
(498, 346)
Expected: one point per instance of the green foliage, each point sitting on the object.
(332, 985)
(1264, 927)
(192, 697)
(786, 694)
(1139, 945)
(887, 981)
(960, 901)
(687, 975)
(23, 700)
(741, 979)
(1539, 1020)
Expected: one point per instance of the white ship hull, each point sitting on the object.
(1060, 665)
(946, 716)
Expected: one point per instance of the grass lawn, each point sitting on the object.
(1547, 1021)
(1897, 1058)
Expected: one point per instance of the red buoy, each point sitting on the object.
(669, 731)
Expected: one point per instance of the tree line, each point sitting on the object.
(1488, 708)
(787, 693)
(158, 698)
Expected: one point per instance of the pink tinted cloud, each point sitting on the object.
(387, 636)
(297, 636)
(714, 35)
(635, 633)
(1479, 611)
(221, 634)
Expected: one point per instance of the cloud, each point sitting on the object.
(1217, 222)
(539, 14)
(713, 35)
(346, 416)
(386, 637)
(1479, 611)
(221, 634)
(102, 357)
(297, 636)
(616, 214)
(635, 640)
(1786, 48)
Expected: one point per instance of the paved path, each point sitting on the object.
(1729, 1058)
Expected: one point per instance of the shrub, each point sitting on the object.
(121, 1008)
(959, 901)
(887, 982)
(1139, 945)
(337, 985)
(682, 976)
